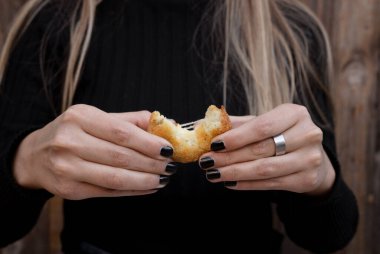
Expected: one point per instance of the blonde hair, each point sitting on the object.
(259, 43)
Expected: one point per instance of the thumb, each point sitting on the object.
(138, 118)
(240, 120)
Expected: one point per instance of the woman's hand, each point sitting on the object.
(86, 153)
(244, 157)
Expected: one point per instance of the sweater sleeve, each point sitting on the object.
(320, 224)
(27, 103)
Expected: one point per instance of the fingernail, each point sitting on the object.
(212, 174)
(171, 168)
(206, 162)
(230, 184)
(164, 180)
(166, 151)
(217, 145)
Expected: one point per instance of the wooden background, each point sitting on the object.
(354, 30)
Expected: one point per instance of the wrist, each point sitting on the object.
(326, 185)
(22, 164)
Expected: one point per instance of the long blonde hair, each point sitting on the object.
(260, 43)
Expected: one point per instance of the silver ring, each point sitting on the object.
(280, 145)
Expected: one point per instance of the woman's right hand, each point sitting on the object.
(86, 153)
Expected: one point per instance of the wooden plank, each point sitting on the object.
(375, 200)
(56, 224)
(354, 37)
(8, 10)
(354, 32)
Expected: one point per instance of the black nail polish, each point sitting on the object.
(212, 174)
(171, 168)
(217, 145)
(166, 151)
(164, 180)
(230, 184)
(206, 162)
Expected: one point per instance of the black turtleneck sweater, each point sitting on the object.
(146, 55)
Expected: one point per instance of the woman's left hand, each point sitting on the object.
(244, 157)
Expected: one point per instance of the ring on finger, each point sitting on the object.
(280, 145)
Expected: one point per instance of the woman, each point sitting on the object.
(76, 76)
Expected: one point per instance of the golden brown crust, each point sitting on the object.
(190, 145)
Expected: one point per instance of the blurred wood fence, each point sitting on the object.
(354, 30)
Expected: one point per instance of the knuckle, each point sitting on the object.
(60, 141)
(231, 174)
(311, 181)
(264, 169)
(75, 113)
(301, 111)
(264, 127)
(145, 113)
(235, 174)
(122, 136)
(66, 190)
(116, 182)
(59, 167)
(258, 148)
(80, 107)
(315, 135)
(155, 165)
(315, 158)
(72, 114)
(149, 182)
(228, 160)
(119, 158)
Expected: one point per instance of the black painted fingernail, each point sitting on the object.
(230, 184)
(164, 180)
(166, 151)
(206, 162)
(217, 145)
(212, 174)
(171, 168)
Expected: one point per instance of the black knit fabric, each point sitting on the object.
(144, 55)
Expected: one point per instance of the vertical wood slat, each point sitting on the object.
(354, 32)
(376, 200)
(8, 10)
(56, 224)
(355, 43)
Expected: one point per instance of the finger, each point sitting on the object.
(299, 182)
(258, 150)
(108, 127)
(106, 176)
(138, 118)
(297, 137)
(80, 191)
(103, 152)
(240, 120)
(267, 168)
(262, 127)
